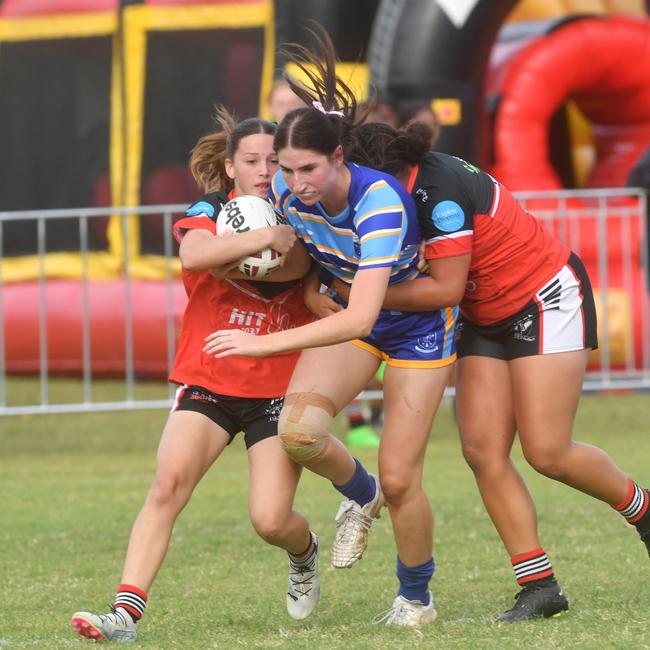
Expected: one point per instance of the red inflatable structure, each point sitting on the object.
(111, 305)
(603, 65)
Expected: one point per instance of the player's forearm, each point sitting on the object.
(217, 251)
(423, 294)
(345, 325)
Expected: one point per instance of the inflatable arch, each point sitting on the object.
(602, 64)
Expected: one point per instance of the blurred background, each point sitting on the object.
(102, 100)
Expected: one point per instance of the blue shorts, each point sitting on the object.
(413, 339)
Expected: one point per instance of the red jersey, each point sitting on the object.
(463, 210)
(255, 307)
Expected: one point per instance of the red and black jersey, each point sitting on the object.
(253, 306)
(463, 210)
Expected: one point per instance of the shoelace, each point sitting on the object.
(302, 575)
(350, 523)
(398, 612)
(121, 619)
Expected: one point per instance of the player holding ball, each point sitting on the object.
(217, 398)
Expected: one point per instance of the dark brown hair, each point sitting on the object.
(388, 149)
(312, 128)
(211, 151)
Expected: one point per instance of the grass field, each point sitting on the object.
(71, 485)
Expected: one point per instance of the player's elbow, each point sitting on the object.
(190, 260)
(362, 325)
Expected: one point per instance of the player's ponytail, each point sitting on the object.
(207, 161)
(331, 109)
(390, 150)
(415, 139)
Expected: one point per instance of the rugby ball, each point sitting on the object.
(245, 213)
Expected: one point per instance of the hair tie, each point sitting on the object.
(318, 106)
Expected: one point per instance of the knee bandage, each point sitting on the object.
(304, 425)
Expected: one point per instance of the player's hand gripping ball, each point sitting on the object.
(245, 213)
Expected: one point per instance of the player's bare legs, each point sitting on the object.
(190, 444)
(486, 423)
(324, 381)
(556, 379)
(546, 392)
(338, 373)
(411, 399)
(540, 393)
(272, 488)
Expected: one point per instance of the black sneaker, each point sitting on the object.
(539, 598)
(643, 528)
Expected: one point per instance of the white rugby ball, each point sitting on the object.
(245, 213)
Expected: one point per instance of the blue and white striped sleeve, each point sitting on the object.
(381, 224)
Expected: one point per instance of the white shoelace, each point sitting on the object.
(350, 522)
(400, 612)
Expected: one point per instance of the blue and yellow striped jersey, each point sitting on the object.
(378, 228)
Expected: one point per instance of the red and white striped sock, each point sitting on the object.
(635, 505)
(531, 566)
(132, 599)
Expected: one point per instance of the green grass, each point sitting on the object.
(71, 485)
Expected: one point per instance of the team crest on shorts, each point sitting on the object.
(273, 409)
(427, 344)
(522, 330)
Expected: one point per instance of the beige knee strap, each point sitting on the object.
(304, 425)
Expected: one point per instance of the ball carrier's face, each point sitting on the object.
(253, 165)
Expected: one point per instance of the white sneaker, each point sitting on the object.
(303, 592)
(353, 522)
(408, 612)
(117, 626)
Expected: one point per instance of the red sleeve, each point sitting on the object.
(193, 223)
(450, 246)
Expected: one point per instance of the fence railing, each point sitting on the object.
(113, 314)
(608, 229)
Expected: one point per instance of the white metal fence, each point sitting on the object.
(607, 228)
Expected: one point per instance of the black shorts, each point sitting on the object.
(257, 417)
(561, 317)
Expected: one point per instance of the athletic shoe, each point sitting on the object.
(353, 522)
(117, 626)
(362, 436)
(408, 612)
(303, 593)
(643, 528)
(539, 598)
